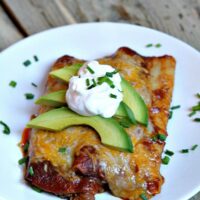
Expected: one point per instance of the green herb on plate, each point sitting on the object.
(33, 84)
(62, 149)
(166, 160)
(149, 45)
(6, 129)
(194, 147)
(175, 107)
(22, 160)
(113, 96)
(13, 84)
(169, 153)
(29, 95)
(184, 151)
(35, 58)
(27, 63)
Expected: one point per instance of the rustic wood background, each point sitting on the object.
(21, 18)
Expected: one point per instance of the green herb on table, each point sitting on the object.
(13, 84)
(169, 153)
(6, 129)
(192, 113)
(30, 171)
(197, 119)
(90, 70)
(22, 160)
(158, 45)
(143, 196)
(33, 84)
(184, 151)
(149, 45)
(194, 147)
(62, 149)
(27, 63)
(166, 160)
(35, 58)
(175, 107)
(170, 114)
(29, 96)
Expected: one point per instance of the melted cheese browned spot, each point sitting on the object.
(127, 175)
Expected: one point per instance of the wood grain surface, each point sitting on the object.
(21, 18)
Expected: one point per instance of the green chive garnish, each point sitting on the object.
(22, 160)
(94, 82)
(29, 96)
(110, 74)
(33, 84)
(194, 147)
(35, 58)
(158, 45)
(192, 113)
(169, 153)
(198, 95)
(184, 151)
(62, 149)
(196, 108)
(166, 160)
(30, 171)
(36, 189)
(13, 84)
(143, 196)
(26, 146)
(90, 70)
(27, 63)
(175, 107)
(6, 129)
(149, 45)
(105, 79)
(170, 114)
(129, 113)
(87, 82)
(91, 86)
(197, 119)
(113, 96)
(161, 137)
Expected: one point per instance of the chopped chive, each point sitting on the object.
(22, 160)
(30, 171)
(36, 189)
(194, 147)
(161, 137)
(13, 84)
(196, 108)
(125, 123)
(175, 107)
(166, 160)
(149, 45)
(91, 86)
(35, 58)
(113, 96)
(27, 63)
(6, 129)
(90, 70)
(29, 96)
(33, 84)
(197, 119)
(198, 95)
(26, 146)
(184, 151)
(105, 79)
(129, 113)
(62, 149)
(143, 196)
(158, 45)
(87, 82)
(192, 113)
(94, 82)
(155, 138)
(170, 114)
(169, 153)
(110, 74)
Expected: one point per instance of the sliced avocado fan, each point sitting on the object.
(109, 130)
(131, 98)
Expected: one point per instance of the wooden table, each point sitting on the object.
(21, 18)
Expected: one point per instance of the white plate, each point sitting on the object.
(90, 41)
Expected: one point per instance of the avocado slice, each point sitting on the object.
(131, 97)
(55, 99)
(110, 132)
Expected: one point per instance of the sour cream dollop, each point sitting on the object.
(95, 91)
